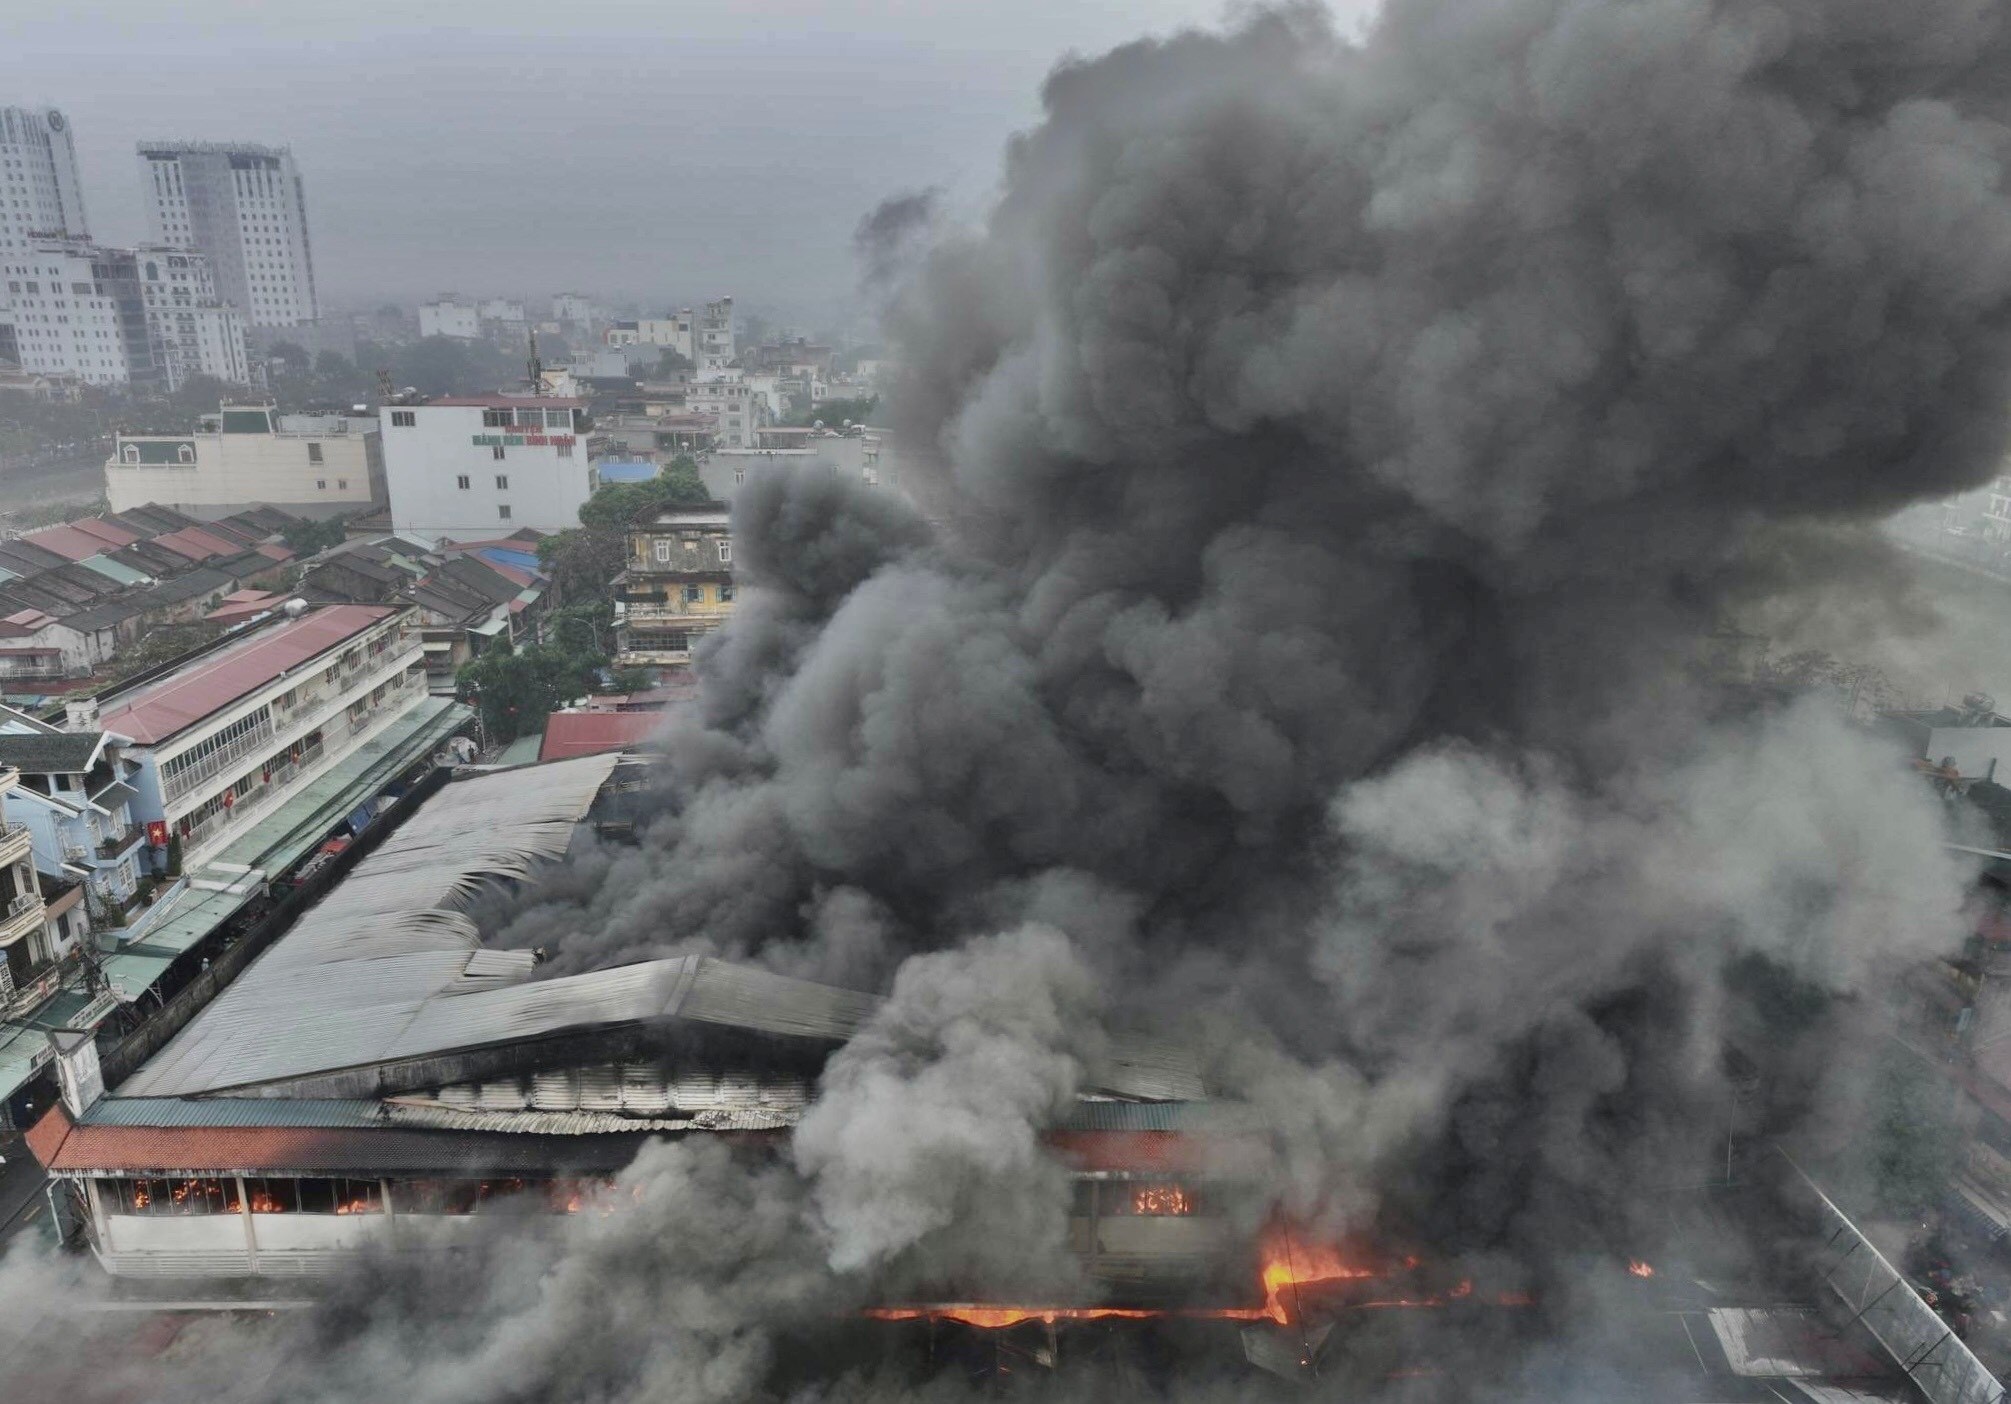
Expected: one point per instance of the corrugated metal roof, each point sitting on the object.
(355, 980)
(114, 570)
(592, 733)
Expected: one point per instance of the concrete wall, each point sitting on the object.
(235, 469)
(541, 484)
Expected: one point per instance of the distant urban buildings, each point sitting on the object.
(244, 208)
(193, 332)
(245, 454)
(41, 193)
(465, 466)
(447, 317)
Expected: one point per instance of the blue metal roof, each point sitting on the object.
(626, 470)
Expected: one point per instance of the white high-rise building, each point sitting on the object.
(78, 310)
(41, 196)
(243, 208)
(193, 333)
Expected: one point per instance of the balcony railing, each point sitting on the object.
(24, 998)
(119, 844)
(216, 762)
(26, 902)
(15, 843)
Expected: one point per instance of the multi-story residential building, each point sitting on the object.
(712, 333)
(505, 312)
(76, 802)
(449, 316)
(193, 333)
(578, 310)
(28, 964)
(677, 586)
(246, 454)
(473, 465)
(41, 194)
(244, 208)
(79, 310)
(219, 742)
(736, 410)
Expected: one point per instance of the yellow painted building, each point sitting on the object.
(677, 586)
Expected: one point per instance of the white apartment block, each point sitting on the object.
(244, 208)
(713, 336)
(223, 741)
(501, 309)
(245, 454)
(737, 410)
(28, 970)
(578, 309)
(41, 195)
(485, 465)
(448, 317)
(78, 310)
(193, 334)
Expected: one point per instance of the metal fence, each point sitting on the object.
(1877, 1294)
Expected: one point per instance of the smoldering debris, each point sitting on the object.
(1334, 452)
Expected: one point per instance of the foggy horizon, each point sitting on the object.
(687, 152)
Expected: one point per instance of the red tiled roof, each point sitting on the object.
(66, 541)
(275, 551)
(569, 734)
(182, 544)
(109, 532)
(220, 544)
(161, 709)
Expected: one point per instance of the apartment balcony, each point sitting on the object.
(23, 916)
(23, 1000)
(118, 846)
(251, 746)
(16, 843)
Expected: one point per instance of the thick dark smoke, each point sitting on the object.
(1330, 458)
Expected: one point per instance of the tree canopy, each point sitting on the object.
(584, 561)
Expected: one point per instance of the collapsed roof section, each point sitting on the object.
(385, 989)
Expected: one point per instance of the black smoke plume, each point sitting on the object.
(1323, 467)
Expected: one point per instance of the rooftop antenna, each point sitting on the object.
(384, 389)
(537, 367)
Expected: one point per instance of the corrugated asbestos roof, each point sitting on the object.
(370, 973)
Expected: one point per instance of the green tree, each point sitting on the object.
(584, 561)
(517, 689)
(672, 361)
(308, 537)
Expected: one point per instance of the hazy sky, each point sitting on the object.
(666, 150)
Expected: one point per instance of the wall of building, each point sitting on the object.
(452, 474)
(449, 319)
(78, 310)
(279, 468)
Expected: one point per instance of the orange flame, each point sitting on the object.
(1639, 1268)
(1161, 1199)
(1289, 1266)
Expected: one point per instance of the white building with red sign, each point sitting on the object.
(485, 465)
